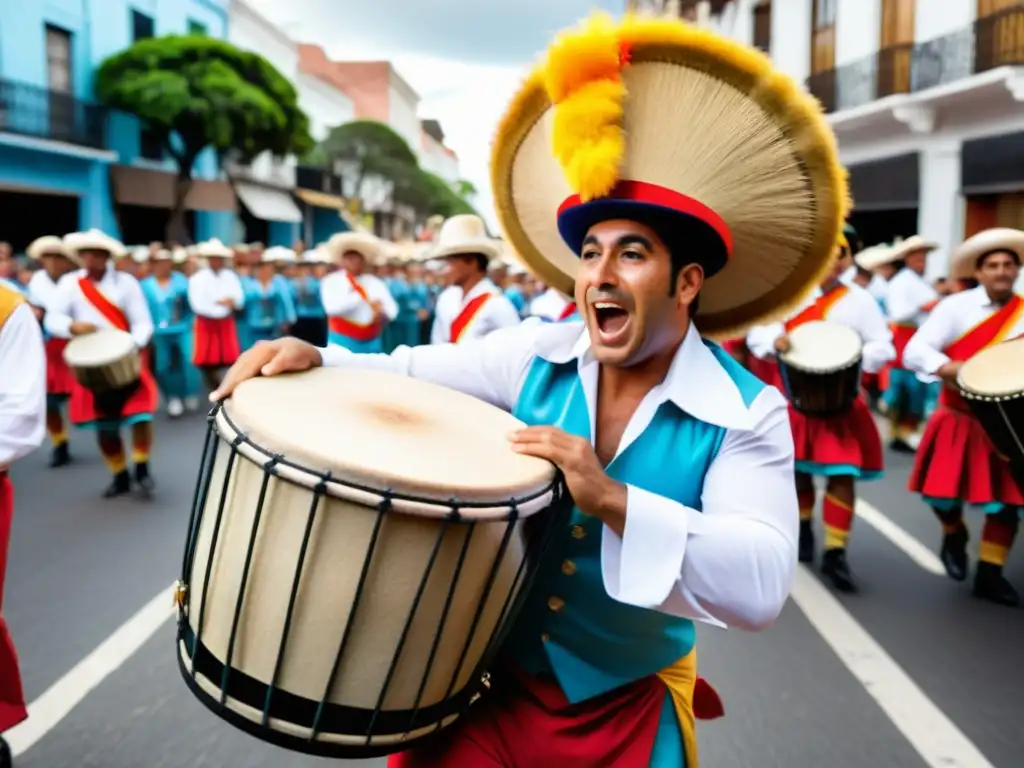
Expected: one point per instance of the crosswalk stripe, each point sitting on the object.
(910, 546)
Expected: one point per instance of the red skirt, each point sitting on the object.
(12, 697)
(956, 460)
(59, 379)
(528, 721)
(84, 410)
(847, 444)
(216, 342)
(766, 370)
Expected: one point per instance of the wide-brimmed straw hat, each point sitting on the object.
(874, 257)
(92, 240)
(670, 125)
(964, 262)
(904, 248)
(464, 234)
(214, 249)
(278, 254)
(368, 246)
(50, 245)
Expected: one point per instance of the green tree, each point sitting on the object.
(198, 93)
(465, 189)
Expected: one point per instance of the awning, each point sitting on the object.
(267, 203)
(321, 199)
(155, 189)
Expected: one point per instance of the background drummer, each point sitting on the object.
(956, 463)
(215, 294)
(56, 262)
(98, 296)
(358, 304)
(843, 448)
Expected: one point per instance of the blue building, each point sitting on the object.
(66, 163)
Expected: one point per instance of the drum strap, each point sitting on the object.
(465, 317)
(819, 309)
(103, 305)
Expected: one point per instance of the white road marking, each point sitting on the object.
(933, 735)
(64, 695)
(910, 546)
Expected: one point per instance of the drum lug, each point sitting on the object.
(180, 596)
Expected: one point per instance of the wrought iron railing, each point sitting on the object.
(32, 111)
(859, 82)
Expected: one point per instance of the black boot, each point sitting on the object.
(806, 548)
(119, 486)
(990, 585)
(954, 553)
(899, 445)
(144, 480)
(6, 761)
(837, 570)
(60, 457)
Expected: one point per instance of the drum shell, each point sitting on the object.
(1003, 421)
(339, 544)
(815, 393)
(116, 374)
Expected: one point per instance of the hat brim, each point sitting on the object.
(465, 248)
(971, 251)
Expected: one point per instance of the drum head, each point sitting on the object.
(822, 346)
(94, 350)
(390, 432)
(995, 372)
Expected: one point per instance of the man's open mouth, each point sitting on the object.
(612, 320)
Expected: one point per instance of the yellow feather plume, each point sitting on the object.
(583, 78)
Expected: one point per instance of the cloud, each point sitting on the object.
(464, 57)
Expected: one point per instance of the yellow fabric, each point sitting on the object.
(992, 553)
(10, 300)
(680, 678)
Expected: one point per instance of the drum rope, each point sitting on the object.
(198, 500)
(1010, 428)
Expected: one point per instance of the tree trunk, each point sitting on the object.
(177, 224)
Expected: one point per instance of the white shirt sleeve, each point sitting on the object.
(200, 298)
(878, 348)
(923, 353)
(22, 386)
(136, 309)
(761, 340)
(504, 314)
(235, 291)
(337, 296)
(57, 320)
(732, 563)
(388, 303)
(907, 297)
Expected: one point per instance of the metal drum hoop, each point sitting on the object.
(540, 531)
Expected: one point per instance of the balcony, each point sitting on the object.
(27, 110)
(883, 74)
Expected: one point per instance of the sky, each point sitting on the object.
(464, 57)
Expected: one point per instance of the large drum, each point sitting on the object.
(992, 384)
(104, 361)
(821, 371)
(356, 553)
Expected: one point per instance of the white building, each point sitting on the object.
(434, 155)
(925, 97)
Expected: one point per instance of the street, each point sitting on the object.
(911, 672)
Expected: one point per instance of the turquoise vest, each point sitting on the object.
(570, 627)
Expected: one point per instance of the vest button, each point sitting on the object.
(578, 532)
(568, 567)
(556, 604)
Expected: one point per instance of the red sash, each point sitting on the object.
(460, 323)
(902, 333)
(103, 305)
(569, 310)
(819, 309)
(989, 332)
(345, 327)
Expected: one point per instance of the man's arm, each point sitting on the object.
(761, 340)
(923, 353)
(337, 296)
(57, 320)
(22, 386)
(730, 564)
(136, 309)
(877, 336)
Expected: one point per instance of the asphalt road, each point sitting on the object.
(80, 567)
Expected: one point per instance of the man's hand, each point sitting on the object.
(423, 314)
(593, 491)
(948, 373)
(269, 358)
(782, 345)
(78, 328)
(225, 302)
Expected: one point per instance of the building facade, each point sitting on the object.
(66, 163)
(434, 155)
(926, 98)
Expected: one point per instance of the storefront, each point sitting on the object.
(992, 175)
(886, 194)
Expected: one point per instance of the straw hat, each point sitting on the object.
(965, 258)
(874, 257)
(213, 249)
(465, 234)
(92, 240)
(662, 122)
(317, 255)
(279, 255)
(181, 255)
(50, 245)
(903, 248)
(368, 246)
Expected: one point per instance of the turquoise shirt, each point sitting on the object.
(515, 295)
(306, 292)
(268, 308)
(168, 304)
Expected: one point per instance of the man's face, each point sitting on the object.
(624, 293)
(95, 261)
(161, 268)
(916, 261)
(265, 271)
(458, 269)
(353, 262)
(886, 271)
(7, 268)
(998, 272)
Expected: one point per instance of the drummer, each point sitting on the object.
(95, 297)
(956, 463)
(22, 420)
(844, 448)
(358, 304)
(679, 461)
(215, 294)
(49, 251)
(471, 306)
(553, 306)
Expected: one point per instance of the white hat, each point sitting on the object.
(213, 249)
(903, 248)
(965, 258)
(465, 234)
(140, 254)
(50, 245)
(874, 257)
(318, 255)
(370, 247)
(180, 255)
(92, 240)
(279, 255)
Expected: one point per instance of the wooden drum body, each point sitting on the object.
(992, 384)
(344, 587)
(821, 371)
(104, 361)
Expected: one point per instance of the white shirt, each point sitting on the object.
(22, 386)
(340, 299)
(121, 289)
(877, 286)
(952, 318)
(206, 288)
(41, 289)
(549, 305)
(857, 310)
(497, 312)
(732, 564)
(907, 293)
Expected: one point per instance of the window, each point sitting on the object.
(989, 7)
(196, 28)
(823, 36)
(150, 146)
(142, 26)
(897, 22)
(763, 26)
(58, 60)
